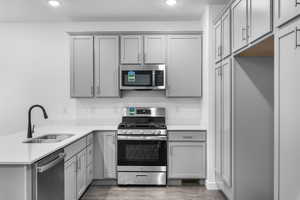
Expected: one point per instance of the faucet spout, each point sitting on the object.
(30, 130)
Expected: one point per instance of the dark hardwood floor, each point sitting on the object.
(151, 193)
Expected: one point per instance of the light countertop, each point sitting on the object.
(14, 152)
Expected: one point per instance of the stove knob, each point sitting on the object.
(124, 132)
(158, 132)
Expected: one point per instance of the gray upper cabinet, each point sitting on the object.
(82, 66)
(107, 66)
(184, 75)
(260, 20)
(131, 49)
(226, 34)
(154, 49)
(287, 113)
(285, 10)
(226, 132)
(239, 24)
(218, 41)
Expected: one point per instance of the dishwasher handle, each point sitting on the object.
(51, 164)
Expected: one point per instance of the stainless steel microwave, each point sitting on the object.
(138, 77)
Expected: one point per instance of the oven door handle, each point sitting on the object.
(124, 137)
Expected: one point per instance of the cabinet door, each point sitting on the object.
(154, 49)
(81, 173)
(218, 119)
(226, 137)
(260, 20)
(287, 112)
(239, 24)
(187, 160)
(82, 66)
(107, 66)
(70, 179)
(90, 174)
(226, 35)
(98, 155)
(285, 10)
(184, 74)
(131, 49)
(218, 41)
(109, 149)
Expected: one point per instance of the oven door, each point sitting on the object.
(142, 153)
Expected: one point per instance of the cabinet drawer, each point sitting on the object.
(75, 148)
(90, 153)
(90, 139)
(187, 135)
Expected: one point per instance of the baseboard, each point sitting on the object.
(211, 185)
(105, 182)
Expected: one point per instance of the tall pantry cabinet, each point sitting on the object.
(244, 128)
(287, 113)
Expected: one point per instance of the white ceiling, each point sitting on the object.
(93, 10)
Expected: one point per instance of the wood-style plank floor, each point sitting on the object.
(151, 193)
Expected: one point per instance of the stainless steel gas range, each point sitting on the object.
(142, 147)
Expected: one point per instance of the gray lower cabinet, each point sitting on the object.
(226, 132)
(81, 173)
(107, 66)
(78, 167)
(187, 155)
(82, 66)
(245, 128)
(184, 74)
(223, 138)
(70, 179)
(105, 158)
(287, 115)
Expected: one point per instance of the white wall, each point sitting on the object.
(34, 68)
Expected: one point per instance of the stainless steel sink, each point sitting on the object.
(49, 138)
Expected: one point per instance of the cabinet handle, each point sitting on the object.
(98, 89)
(92, 90)
(297, 3)
(296, 37)
(187, 137)
(144, 57)
(243, 34)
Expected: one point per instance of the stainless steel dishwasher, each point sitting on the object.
(48, 177)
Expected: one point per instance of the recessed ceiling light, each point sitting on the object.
(54, 3)
(171, 2)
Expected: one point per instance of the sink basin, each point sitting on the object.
(49, 138)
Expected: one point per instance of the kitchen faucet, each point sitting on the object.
(30, 128)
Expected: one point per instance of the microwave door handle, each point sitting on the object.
(153, 78)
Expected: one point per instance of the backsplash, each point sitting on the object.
(107, 111)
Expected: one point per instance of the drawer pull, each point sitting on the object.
(141, 175)
(296, 37)
(187, 137)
